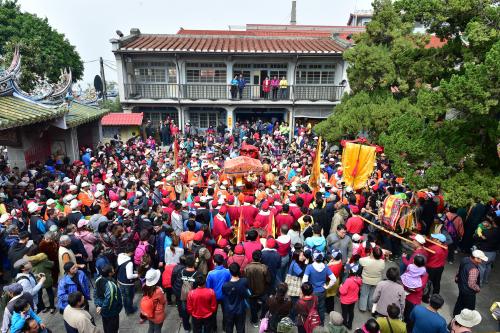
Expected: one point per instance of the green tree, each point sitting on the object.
(45, 52)
(435, 110)
(112, 105)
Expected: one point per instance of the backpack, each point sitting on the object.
(450, 227)
(147, 307)
(140, 251)
(312, 320)
(285, 325)
(187, 285)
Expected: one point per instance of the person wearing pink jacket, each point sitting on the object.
(349, 295)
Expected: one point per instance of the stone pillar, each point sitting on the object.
(99, 131)
(73, 152)
(291, 122)
(292, 65)
(230, 118)
(229, 76)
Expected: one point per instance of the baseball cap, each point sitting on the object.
(439, 237)
(480, 255)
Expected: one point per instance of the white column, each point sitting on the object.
(181, 121)
(229, 76)
(291, 77)
(230, 118)
(73, 153)
(291, 123)
(99, 131)
(120, 76)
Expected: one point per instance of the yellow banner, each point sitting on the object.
(357, 164)
(316, 168)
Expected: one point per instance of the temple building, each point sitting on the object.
(47, 122)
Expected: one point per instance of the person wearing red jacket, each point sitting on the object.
(284, 218)
(233, 210)
(436, 261)
(220, 228)
(354, 224)
(262, 220)
(249, 211)
(201, 305)
(349, 295)
(252, 244)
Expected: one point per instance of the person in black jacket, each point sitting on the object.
(467, 279)
(19, 249)
(488, 242)
(165, 133)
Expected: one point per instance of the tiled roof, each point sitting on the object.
(232, 44)
(263, 33)
(16, 112)
(80, 114)
(123, 119)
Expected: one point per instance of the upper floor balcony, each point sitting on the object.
(216, 92)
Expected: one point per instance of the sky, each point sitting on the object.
(90, 24)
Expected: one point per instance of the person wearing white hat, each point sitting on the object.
(4, 218)
(86, 197)
(465, 320)
(75, 214)
(153, 301)
(419, 242)
(38, 226)
(467, 279)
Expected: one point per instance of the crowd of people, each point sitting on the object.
(162, 219)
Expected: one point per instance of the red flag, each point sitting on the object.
(241, 230)
(176, 152)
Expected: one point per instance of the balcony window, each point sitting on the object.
(205, 73)
(155, 72)
(278, 74)
(315, 74)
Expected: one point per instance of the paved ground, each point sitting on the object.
(489, 293)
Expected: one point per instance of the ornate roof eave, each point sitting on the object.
(55, 94)
(9, 76)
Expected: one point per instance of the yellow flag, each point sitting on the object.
(316, 168)
(357, 164)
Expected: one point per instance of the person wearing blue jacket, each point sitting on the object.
(235, 293)
(215, 280)
(241, 85)
(272, 259)
(22, 312)
(86, 158)
(73, 280)
(108, 300)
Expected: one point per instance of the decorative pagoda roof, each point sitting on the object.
(45, 103)
(17, 111)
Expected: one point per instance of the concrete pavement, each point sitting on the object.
(449, 290)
